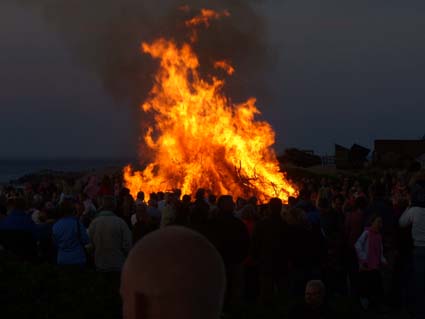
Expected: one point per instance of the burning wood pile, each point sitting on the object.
(200, 139)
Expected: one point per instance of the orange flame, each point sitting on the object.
(202, 140)
(225, 66)
(205, 16)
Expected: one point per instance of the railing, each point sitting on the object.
(328, 161)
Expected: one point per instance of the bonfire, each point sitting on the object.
(199, 138)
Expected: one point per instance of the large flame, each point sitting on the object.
(200, 139)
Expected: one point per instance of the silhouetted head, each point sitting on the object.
(177, 193)
(253, 201)
(225, 204)
(200, 194)
(107, 203)
(16, 202)
(141, 196)
(160, 196)
(141, 213)
(338, 202)
(240, 203)
(186, 199)
(67, 207)
(173, 273)
(106, 181)
(375, 222)
(212, 199)
(292, 201)
(275, 206)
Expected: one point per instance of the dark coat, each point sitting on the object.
(230, 237)
(270, 245)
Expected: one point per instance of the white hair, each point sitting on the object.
(317, 284)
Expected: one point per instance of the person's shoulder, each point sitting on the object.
(120, 221)
(236, 221)
(60, 221)
(365, 232)
(415, 210)
(57, 224)
(297, 311)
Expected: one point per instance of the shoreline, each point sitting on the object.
(14, 171)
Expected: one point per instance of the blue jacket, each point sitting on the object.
(18, 220)
(313, 216)
(69, 241)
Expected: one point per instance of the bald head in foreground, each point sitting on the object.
(173, 273)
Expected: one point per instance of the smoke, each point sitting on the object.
(104, 36)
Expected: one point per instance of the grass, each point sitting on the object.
(48, 291)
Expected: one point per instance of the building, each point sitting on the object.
(350, 158)
(301, 158)
(398, 153)
(421, 160)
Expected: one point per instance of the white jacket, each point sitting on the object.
(415, 216)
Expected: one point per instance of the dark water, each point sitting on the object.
(11, 169)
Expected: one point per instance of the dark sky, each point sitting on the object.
(345, 71)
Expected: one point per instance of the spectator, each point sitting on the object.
(193, 289)
(331, 223)
(105, 188)
(300, 250)
(92, 188)
(153, 211)
(125, 206)
(70, 236)
(270, 250)
(140, 198)
(250, 268)
(142, 224)
(382, 206)
(89, 210)
(17, 218)
(417, 189)
(314, 306)
(199, 209)
(110, 238)
(213, 210)
(231, 238)
(183, 211)
(354, 225)
(18, 233)
(371, 259)
(168, 211)
(415, 217)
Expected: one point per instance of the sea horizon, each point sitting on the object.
(12, 169)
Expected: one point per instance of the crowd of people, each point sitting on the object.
(361, 239)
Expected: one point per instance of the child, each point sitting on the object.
(371, 259)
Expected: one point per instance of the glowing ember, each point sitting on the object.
(205, 17)
(200, 139)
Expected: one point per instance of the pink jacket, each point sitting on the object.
(369, 250)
